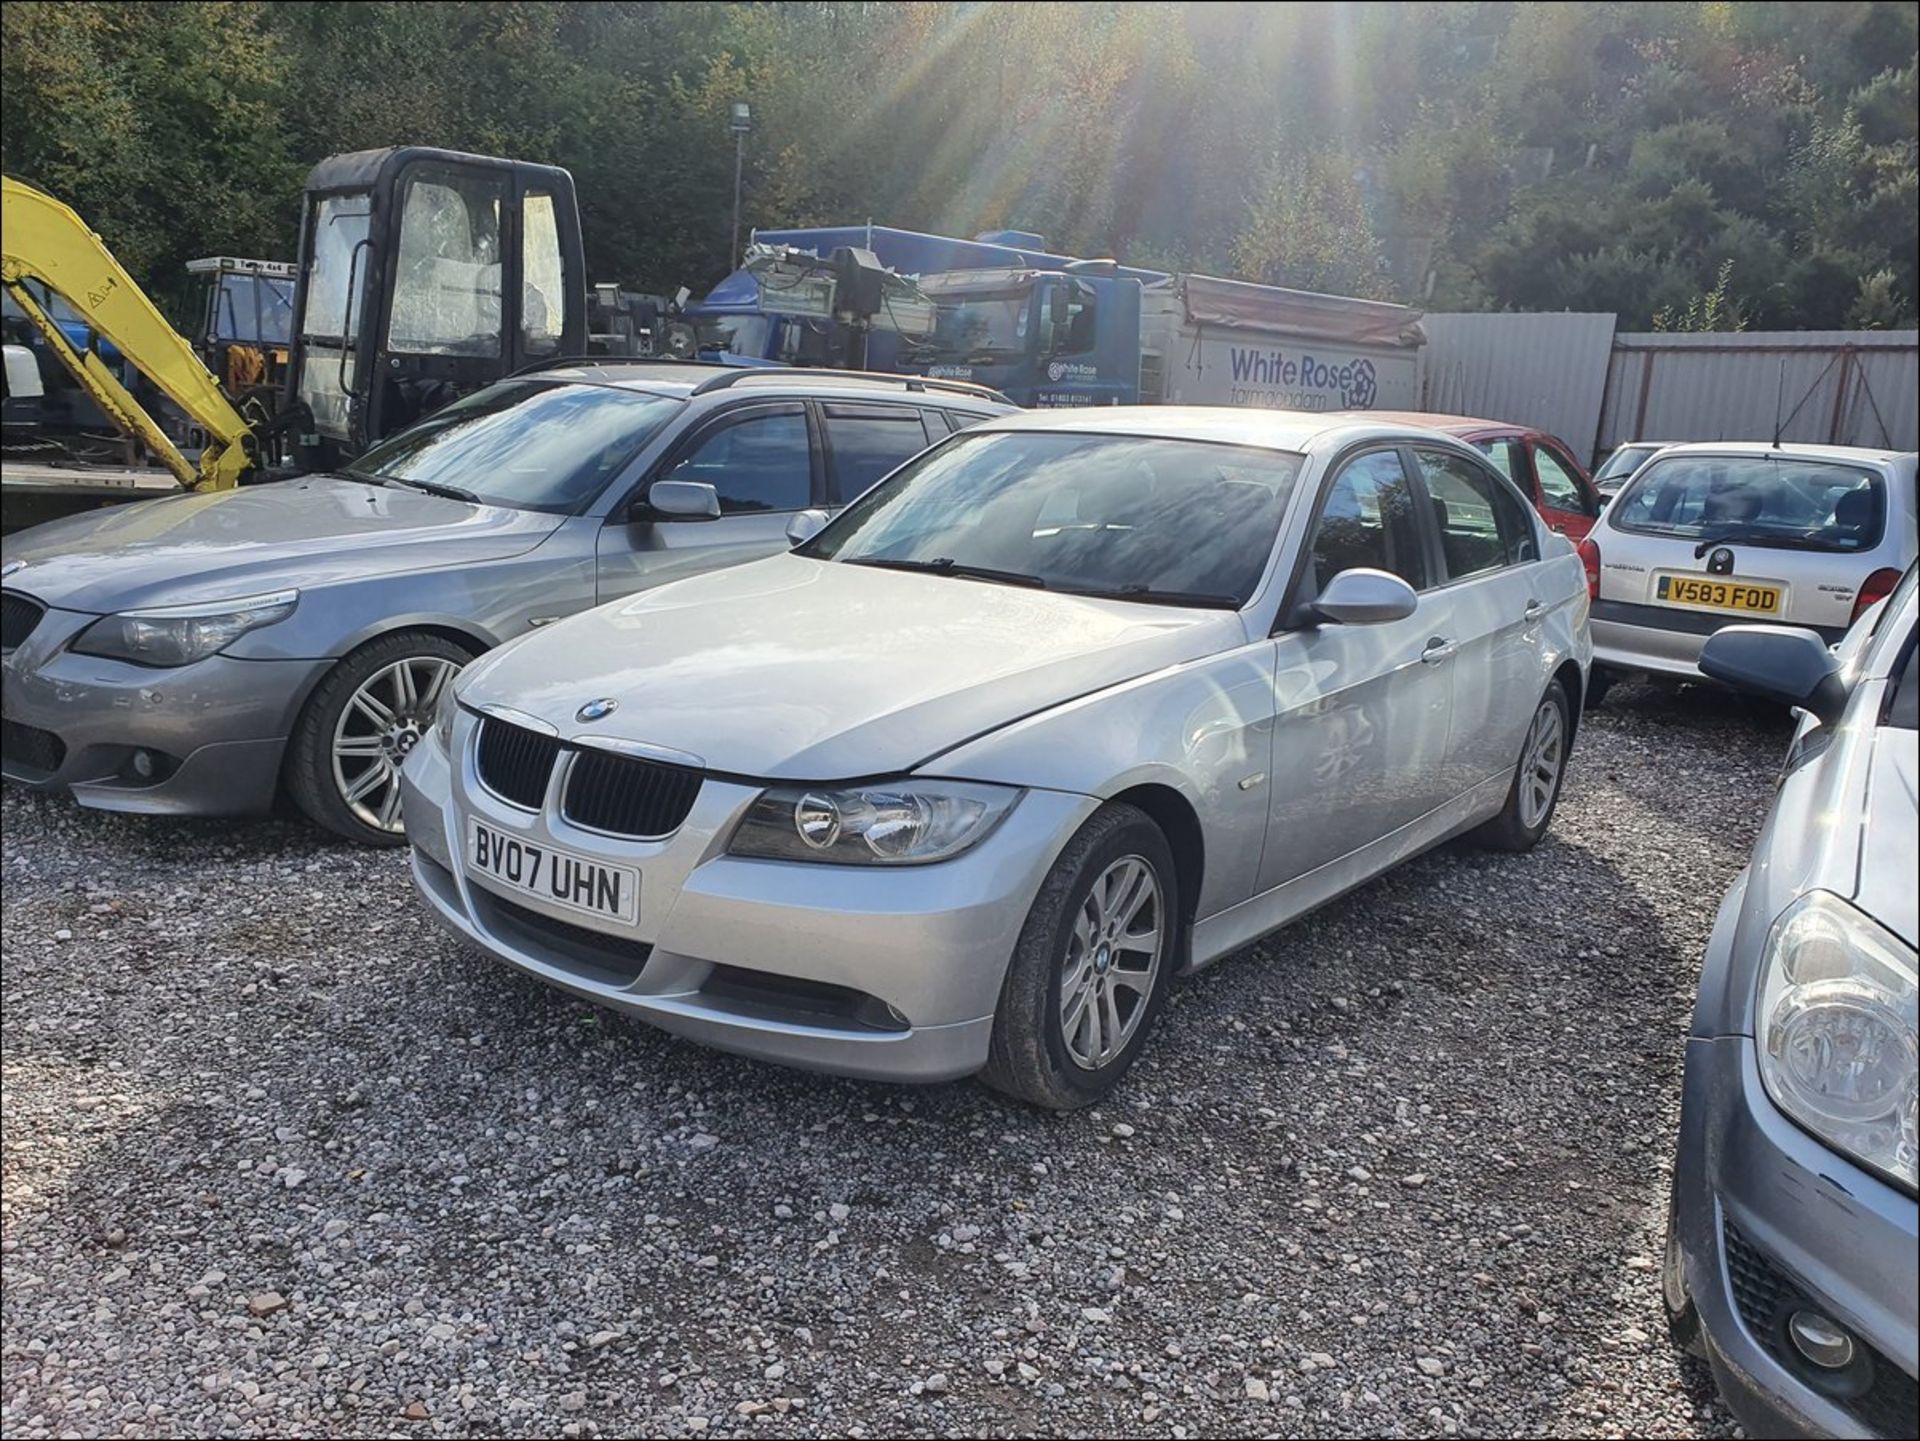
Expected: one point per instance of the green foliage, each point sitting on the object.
(1611, 156)
(1713, 310)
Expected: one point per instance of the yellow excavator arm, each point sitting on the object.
(42, 240)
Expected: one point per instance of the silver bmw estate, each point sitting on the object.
(1066, 707)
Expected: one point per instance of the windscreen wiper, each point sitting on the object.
(1152, 595)
(1779, 540)
(946, 565)
(434, 487)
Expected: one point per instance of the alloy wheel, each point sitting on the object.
(381, 722)
(1541, 758)
(1113, 959)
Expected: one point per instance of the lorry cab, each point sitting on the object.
(1044, 338)
(425, 274)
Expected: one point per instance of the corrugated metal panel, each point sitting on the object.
(1546, 371)
(1842, 387)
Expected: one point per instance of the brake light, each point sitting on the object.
(1876, 588)
(1590, 558)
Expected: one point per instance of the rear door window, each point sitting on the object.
(1483, 525)
(1780, 501)
(865, 442)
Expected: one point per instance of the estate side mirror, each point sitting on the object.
(805, 525)
(1784, 663)
(1364, 596)
(684, 500)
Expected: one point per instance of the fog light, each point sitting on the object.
(143, 765)
(1822, 1341)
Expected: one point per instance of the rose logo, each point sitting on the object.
(1361, 388)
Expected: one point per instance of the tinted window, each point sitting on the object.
(1483, 524)
(1763, 500)
(760, 463)
(1559, 487)
(1126, 516)
(529, 444)
(1506, 457)
(1367, 520)
(865, 444)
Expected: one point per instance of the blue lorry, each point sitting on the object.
(1051, 330)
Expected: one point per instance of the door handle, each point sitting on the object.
(1438, 649)
(1533, 612)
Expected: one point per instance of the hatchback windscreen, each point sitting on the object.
(528, 444)
(1168, 521)
(1622, 463)
(1779, 501)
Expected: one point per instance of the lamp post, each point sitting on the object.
(739, 121)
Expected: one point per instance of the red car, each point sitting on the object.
(1540, 464)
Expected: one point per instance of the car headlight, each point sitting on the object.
(900, 823)
(1838, 1032)
(181, 634)
(444, 711)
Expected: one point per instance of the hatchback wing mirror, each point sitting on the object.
(1784, 663)
(805, 525)
(684, 499)
(1363, 596)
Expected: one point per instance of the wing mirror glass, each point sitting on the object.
(1788, 664)
(805, 525)
(684, 500)
(1363, 596)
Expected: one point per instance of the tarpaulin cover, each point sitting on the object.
(1239, 305)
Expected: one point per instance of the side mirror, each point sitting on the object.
(684, 499)
(805, 525)
(1782, 663)
(1364, 597)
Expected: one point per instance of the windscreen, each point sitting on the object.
(978, 329)
(1134, 517)
(532, 445)
(1781, 501)
(1623, 462)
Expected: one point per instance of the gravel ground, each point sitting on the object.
(279, 1159)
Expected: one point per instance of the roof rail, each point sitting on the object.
(555, 362)
(737, 375)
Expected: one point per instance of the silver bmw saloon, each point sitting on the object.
(1068, 706)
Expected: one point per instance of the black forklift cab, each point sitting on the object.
(425, 274)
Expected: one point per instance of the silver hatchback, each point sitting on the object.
(1070, 704)
(1704, 535)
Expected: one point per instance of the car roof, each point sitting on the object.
(1452, 424)
(1291, 430)
(681, 378)
(1853, 453)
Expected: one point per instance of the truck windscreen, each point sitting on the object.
(980, 328)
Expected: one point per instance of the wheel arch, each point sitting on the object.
(1575, 685)
(1180, 824)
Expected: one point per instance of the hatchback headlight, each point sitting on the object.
(181, 634)
(1838, 1031)
(901, 823)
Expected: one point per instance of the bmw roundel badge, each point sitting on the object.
(595, 710)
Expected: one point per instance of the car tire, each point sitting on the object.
(1537, 777)
(1067, 964)
(1676, 1301)
(338, 745)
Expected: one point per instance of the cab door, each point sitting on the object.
(762, 460)
(1362, 711)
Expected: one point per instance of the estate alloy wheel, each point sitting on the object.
(1536, 777)
(1091, 968)
(382, 721)
(1112, 963)
(343, 763)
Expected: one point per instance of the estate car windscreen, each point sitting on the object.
(1779, 501)
(1173, 522)
(527, 444)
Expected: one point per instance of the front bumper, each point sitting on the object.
(885, 973)
(213, 732)
(1770, 1221)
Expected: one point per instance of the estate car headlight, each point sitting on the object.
(1838, 1032)
(181, 634)
(897, 823)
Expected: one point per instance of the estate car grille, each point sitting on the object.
(617, 794)
(31, 748)
(1766, 1296)
(514, 762)
(629, 795)
(19, 614)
